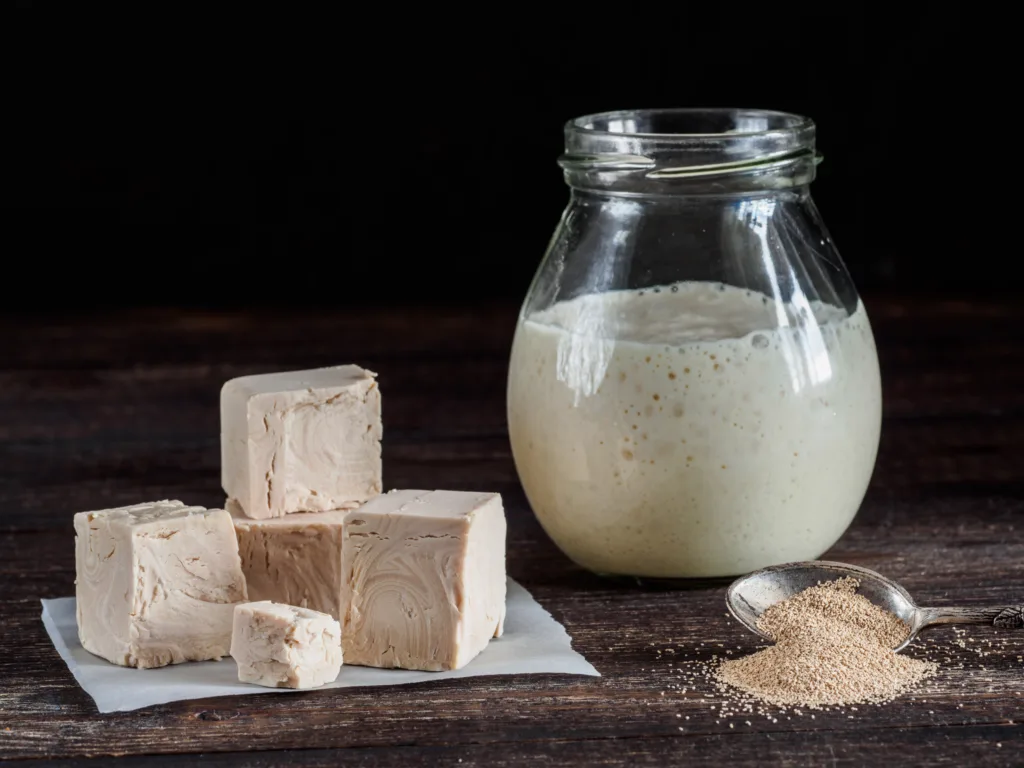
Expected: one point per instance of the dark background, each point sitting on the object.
(326, 160)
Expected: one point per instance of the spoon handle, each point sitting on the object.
(1004, 617)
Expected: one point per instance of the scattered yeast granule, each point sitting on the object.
(832, 647)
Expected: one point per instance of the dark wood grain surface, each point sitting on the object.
(97, 412)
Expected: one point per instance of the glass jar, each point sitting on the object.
(693, 388)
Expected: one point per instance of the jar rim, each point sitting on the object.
(630, 149)
(776, 124)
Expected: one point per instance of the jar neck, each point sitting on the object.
(689, 152)
(672, 200)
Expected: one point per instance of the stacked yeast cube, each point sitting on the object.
(337, 570)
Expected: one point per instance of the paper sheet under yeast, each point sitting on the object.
(533, 643)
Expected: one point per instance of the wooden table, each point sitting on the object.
(103, 411)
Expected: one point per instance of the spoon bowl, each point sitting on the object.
(751, 595)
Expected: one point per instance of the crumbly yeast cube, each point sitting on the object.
(284, 646)
(295, 560)
(301, 441)
(424, 579)
(156, 583)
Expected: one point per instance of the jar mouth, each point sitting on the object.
(686, 124)
(681, 143)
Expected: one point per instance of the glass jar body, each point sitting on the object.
(694, 388)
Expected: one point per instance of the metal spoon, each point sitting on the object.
(750, 596)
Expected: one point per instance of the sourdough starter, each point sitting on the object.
(693, 430)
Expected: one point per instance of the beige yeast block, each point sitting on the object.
(425, 579)
(301, 441)
(284, 646)
(156, 583)
(295, 560)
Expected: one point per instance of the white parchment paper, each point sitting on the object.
(533, 643)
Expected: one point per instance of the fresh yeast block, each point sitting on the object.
(295, 560)
(284, 646)
(301, 441)
(156, 583)
(424, 584)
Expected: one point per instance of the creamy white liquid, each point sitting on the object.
(693, 430)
